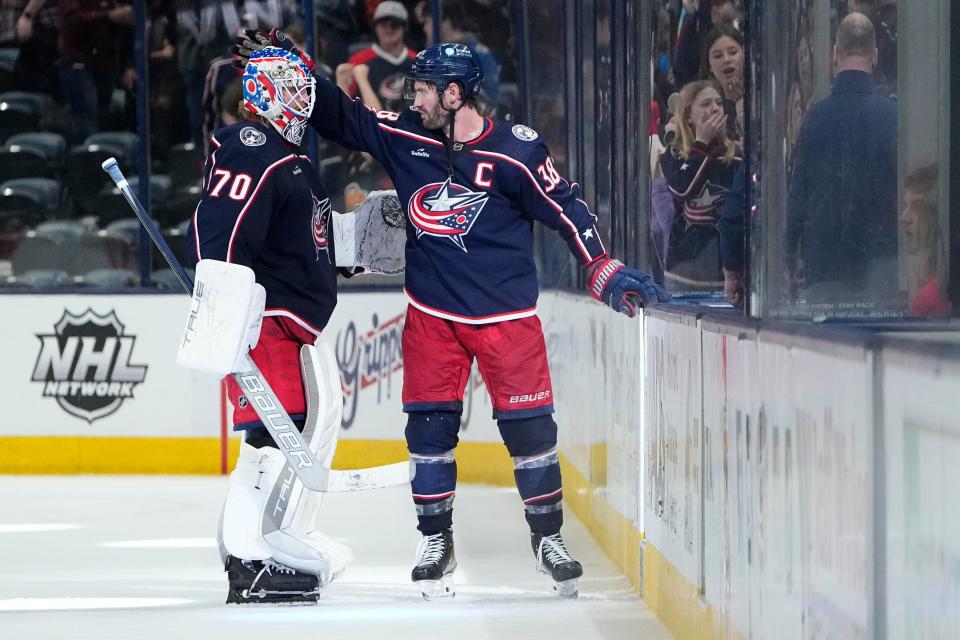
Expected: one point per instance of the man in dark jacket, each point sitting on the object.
(841, 235)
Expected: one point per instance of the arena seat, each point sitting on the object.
(30, 199)
(66, 231)
(52, 146)
(185, 165)
(102, 250)
(124, 140)
(110, 205)
(38, 253)
(42, 278)
(111, 278)
(167, 279)
(22, 161)
(180, 206)
(85, 175)
(15, 118)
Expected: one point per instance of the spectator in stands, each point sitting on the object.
(204, 30)
(32, 26)
(699, 167)
(883, 15)
(166, 87)
(842, 196)
(94, 37)
(376, 73)
(925, 245)
(495, 29)
(723, 61)
(732, 230)
(457, 24)
(697, 18)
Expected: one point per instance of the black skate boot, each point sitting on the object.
(269, 582)
(436, 562)
(554, 560)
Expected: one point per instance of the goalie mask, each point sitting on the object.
(278, 86)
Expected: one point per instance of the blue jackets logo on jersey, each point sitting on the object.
(321, 215)
(446, 210)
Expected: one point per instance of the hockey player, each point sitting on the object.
(265, 216)
(472, 189)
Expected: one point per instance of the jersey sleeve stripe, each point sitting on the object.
(410, 135)
(253, 196)
(557, 207)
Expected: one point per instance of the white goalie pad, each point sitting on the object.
(299, 545)
(373, 235)
(268, 513)
(223, 323)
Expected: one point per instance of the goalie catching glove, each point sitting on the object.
(372, 236)
(224, 320)
(622, 288)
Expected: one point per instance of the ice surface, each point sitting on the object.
(135, 557)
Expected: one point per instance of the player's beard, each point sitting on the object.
(437, 118)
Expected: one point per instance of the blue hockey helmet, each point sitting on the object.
(442, 64)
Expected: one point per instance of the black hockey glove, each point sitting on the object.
(253, 40)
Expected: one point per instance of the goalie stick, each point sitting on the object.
(314, 475)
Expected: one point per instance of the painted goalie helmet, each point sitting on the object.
(278, 86)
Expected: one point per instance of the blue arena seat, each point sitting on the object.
(38, 253)
(167, 279)
(15, 118)
(111, 278)
(185, 165)
(42, 278)
(30, 199)
(85, 175)
(102, 250)
(110, 204)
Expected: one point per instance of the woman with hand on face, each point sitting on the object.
(699, 167)
(723, 62)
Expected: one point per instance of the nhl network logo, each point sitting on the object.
(85, 364)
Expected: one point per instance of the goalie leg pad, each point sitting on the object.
(533, 444)
(298, 545)
(431, 439)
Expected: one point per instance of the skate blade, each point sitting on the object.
(442, 588)
(276, 598)
(566, 588)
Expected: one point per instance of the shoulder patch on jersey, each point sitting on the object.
(524, 133)
(251, 137)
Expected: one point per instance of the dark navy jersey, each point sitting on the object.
(264, 207)
(469, 254)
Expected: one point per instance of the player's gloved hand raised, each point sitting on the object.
(622, 288)
(252, 40)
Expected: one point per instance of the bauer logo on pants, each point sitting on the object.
(85, 364)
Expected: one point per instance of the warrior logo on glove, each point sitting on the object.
(446, 210)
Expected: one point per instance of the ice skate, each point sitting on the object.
(554, 560)
(433, 573)
(269, 582)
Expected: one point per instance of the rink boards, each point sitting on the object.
(751, 481)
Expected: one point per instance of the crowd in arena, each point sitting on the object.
(68, 96)
(840, 158)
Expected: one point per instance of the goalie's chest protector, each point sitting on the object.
(469, 252)
(263, 206)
